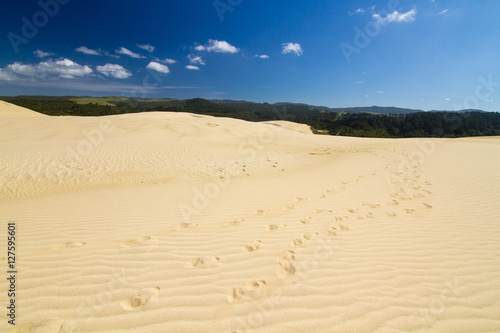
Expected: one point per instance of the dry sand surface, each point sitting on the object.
(175, 222)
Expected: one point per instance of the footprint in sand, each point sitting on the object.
(288, 207)
(272, 227)
(331, 231)
(298, 199)
(202, 262)
(307, 236)
(299, 242)
(391, 214)
(286, 265)
(253, 290)
(409, 211)
(135, 241)
(306, 220)
(252, 248)
(343, 228)
(235, 222)
(142, 298)
(427, 205)
(142, 244)
(181, 226)
(70, 245)
(371, 205)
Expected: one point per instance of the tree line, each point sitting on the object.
(416, 124)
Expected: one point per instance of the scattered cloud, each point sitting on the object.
(168, 61)
(447, 99)
(292, 48)
(218, 47)
(106, 53)
(146, 47)
(489, 100)
(357, 11)
(6, 76)
(115, 71)
(165, 61)
(158, 67)
(42, 54)
(366, 96)
(193, 67)
(380, 92)
(263, 56)
(359, 82)
(443, 12)
(196, 60)
(63, 68)
(396, 17)
(125, 51)
(86, 50)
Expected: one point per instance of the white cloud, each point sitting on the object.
(158, 67)
(357, 11)
(489, 100)
(359, 82)
(165, 61)
(380, 92)
(6, 76)
(146, 47)
(110, 54)
(125, 51)
(366, 96)
(196, 60)
(292, 48)
(86, 50)
(113, 70)
(443, 12)
(193, 67)
(263, 56)
(42, 54)
(217, 46)
(64, 68)
(447, 99)
(396, 17)
(18, 68)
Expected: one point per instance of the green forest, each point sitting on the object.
(360, 122)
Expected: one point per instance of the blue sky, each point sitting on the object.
(423, 54)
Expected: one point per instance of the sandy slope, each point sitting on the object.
(166, 222)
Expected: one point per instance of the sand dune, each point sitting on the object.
(174, 222)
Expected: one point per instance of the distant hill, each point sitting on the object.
(205, 103)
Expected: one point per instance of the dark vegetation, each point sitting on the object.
(361, 122)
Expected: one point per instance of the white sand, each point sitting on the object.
(174, 222)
